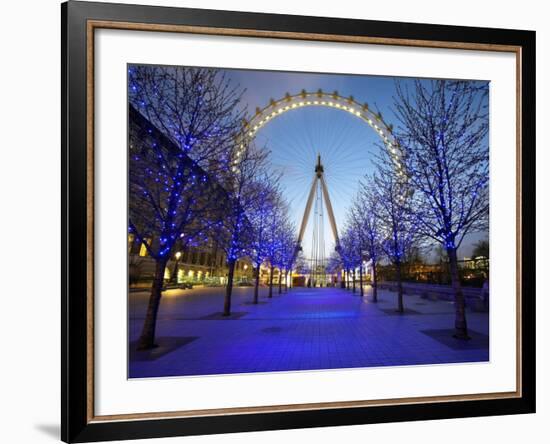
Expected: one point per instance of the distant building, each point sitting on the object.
(195, 264)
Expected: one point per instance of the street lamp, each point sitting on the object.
(175, 270)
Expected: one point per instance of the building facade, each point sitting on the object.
(202, 264)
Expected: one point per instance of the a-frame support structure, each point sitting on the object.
(318, 178)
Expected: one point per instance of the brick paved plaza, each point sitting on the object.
(303, 329)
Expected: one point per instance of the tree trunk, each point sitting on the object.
(174, 275)
(361, 291)
(374, 283)
(286, 281)
(257, 285)
(461, 327)
(271, 281)
(400, 307)
(290, 282)
(353, 277)
(229, 288)
(280, 281)
(147, 339)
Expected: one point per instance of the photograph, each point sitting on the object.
(283, 221)
(251, 222)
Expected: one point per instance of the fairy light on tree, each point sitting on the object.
(350, 252)
(275, 223)
(235, 233)
(259, 217)
(345, 255)
(286, 245)
(289, 253)
(355, 223)
(444, 130)
(334, 266)
(187, 121)
(365, 213)
(398, 224)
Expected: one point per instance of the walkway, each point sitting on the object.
(304, 329)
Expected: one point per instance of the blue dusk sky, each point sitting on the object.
(346, 144)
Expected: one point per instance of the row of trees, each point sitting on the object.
(271, 237)
(439, 192)
(194, 179)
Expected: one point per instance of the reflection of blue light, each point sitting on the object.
(304, 329)
(336, 314)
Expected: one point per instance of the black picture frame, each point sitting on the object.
(76, 423)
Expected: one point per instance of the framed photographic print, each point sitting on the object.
(276, 221)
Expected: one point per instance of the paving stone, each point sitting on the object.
(302, 329)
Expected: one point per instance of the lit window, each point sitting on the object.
(143, 249)
(131, 239)
(180, 276)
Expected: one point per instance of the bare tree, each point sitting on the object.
(276, 223)
(398, 225)
(183, 119)
(349, 250)
(444, 132)
(300, 264)
(364, 214)
(235, 230)
(290, 253)
(284, 258)
(355, 230)
(481, 248)
(260, 216)
(334, 265)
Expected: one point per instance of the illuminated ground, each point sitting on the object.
(303, 329)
